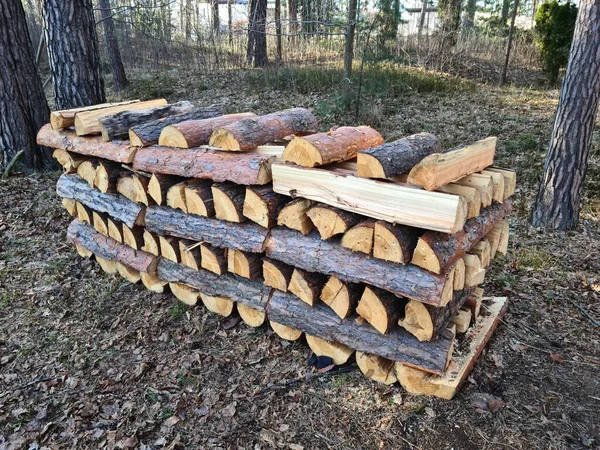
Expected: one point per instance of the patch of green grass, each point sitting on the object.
(153, 86)
(535, 259)
(177, 310)
(340, 380)
(4, 301)
(183, 380)
(152, 396)
(166, 413)
(507, 279)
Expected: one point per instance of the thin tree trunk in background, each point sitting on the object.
(509, 44)
(293, 16)
(469, 17)
(215, 17)
(557, 204)
(533, 11)
(188, 21)
(349, 44)
(23, 106)
(504, 11)
(251, 31)
(278, 28)
(230, 21)
(112, 45)
(449, 14)
(182, 17)
(72, 44)
(260, 37)
(421, 21)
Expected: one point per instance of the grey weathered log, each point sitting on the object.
(116, 126)
(247, 237)
(116, 206)
(148, 133)
(329, 257)
(320, 321)
(251, 293)
(105, 247)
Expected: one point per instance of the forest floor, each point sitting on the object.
(90, 361)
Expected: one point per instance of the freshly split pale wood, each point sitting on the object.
(228, 201)
(377, 199)
(340, 296)
(87, 171)
(483, 250)
(193, 133)
(176, 196)
(100, 223)
(115, 231)
(462, 320)
(262, 205)
(69, 161)
(117, 151)
(474, 271)
(84, 214)
(510, 180)
(306, 286)
(483, 183)
(285, 332)
(148, 133)
(135, 237)
(498, 182)
(394, 243)
(398, 157)
(247, 265)
(189, 252)
(473, 302)
(438, 251)
(107, 176)
(277, 274)
(493, 237)
(442, 168)
(213, 258)
(331, 221)
(199, 199)
(169, 248)
(107, 265)
(249, 133)
(153, 283)
(251, 317)
(151, 243)
(159, 185)
(66, 117)
(293, 215)
(220, 305)
(339, 353)
(471, 195)
(418, 321)
(128, 273)
(135, 188)
(340, 144)
(446, 385)
(376, 368)
(504, 237)
(380, 308)
(87, 122)
(116, 126)
(459, 275)
(70, 206)
(83, 252)
(184, 294)
(359, 238)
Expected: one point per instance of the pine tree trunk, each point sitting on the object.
(230, 21)
(257, 38)
(449, 14)
(278, 28)
(293, 16)
(112, 45)
(23, 107)
(557, 203)
(70, 32)
(504, 11)
(215, 17)
(349, 45)
(509, 44)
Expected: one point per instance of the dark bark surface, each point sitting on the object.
(248, 237)
(329, 257)
(70, 31)
(257, 37)
(558, 201)
(269, 202)
(23, 107)
(112, 45)
(116, 206)
(349, 39)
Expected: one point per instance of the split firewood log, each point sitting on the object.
(339, 353)
(66, 118)
(251, 317)
(247, 265)
(277, 274)
(184, 293)
(69, 161)
(220, 305)
(285, 332)
(306, 286)
(262, 205)
(199, 199)
(341, 297)
(376, 368)
(159, 185)
(169, 248)
(213, 258)
(483, 183)
(189, 252)
(228, 201)
(359, 238)
(380, 308)
(394, 242)
(135, 188)
(293, 215)
(331, 221)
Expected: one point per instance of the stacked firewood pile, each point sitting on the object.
(366, 248)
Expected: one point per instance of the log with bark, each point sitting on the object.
(247, 237)
(331, 221)
(315, 255)
(293, 215)
(213, 258)
(321, 321)
(262, 205)
(176, 196)
(66, 140)
(70, 205)
(135, 188)
(66, 118)
(247, 265)
(341, 297)
(306, 286)
(379, 308)
(228, 201)
(87, 171)
(277, 274)
(247, 134)
(116, 126)
(185, 294)
(116, 206)
(376, 368)
(88, 122)
(194, 133)
(248, 168)
(394, 243)
(251, 317)
(69, 161)
(359, 238)
(149, 133)
(398, 157)
(107, 176)
(438, 251)
(473, 302)
(199, 199)
(336, 145)
(442, 168)
(377, 199)
(339, 353)
(159, 185)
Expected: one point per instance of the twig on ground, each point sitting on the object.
(583, 311)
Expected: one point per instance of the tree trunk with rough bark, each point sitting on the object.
(112, 45)
(216, 23)
(557, 203)
(70, 32)
(449, 14)
(278, 29)
(23, 107)
(257, 38)
(509, 44)
(349, 44)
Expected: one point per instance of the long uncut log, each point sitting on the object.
(247, 134)
(331, 221)
(247, 237)
(315, 255)
(194, 133)
(116, 206)
(251, 293)
(84, 235)
(322, 322)
(67, 140)
(66, 117)
(87, 122)
(398, 157)
(247, 168)
(148, 133)
(262, 205)
(116, 126)
(377, 199)
(438, 251)
(443, 168)
(340, 144)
